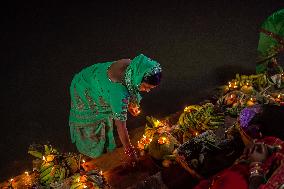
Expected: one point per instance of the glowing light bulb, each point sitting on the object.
(83, 161)
(279, 96)
(196, 133)
(27, 173)
(11, 180)
(101, 172)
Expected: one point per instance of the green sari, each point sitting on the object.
(271, 40)
(96, 101)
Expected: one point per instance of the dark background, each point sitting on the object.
(199, 44)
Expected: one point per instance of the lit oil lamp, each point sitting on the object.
(251, 102)
(143, 142)
(163, 140)
(157, 123)
(278, 98)
(187, 109)
(233, 85)
(230, 99)
(247, 88)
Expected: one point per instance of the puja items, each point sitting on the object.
(206, 154)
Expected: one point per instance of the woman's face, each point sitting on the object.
(145, 87)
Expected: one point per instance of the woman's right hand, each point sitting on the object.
(131, 154)
(133, 109)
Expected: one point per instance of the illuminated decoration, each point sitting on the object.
(278, 99)
(163, 140)
(157, 123)
(251, 102)
(143, 142)
(233, 85)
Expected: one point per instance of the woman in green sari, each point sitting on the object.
(101, 94)
(271, 44)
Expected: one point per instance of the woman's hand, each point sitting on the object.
(258, 153)
(131, 154)
(133, 109)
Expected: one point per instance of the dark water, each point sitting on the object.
(199, 45)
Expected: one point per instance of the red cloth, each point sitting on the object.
(236, 177)
(277, 158)
(231, 178)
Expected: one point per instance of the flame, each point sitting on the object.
(187, 109)
(11, 180)
(279, 96)
(157, 123)
(196, 133)
(101, 172)
(162, 140)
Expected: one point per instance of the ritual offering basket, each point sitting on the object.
(207, 153)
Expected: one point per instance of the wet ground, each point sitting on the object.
(199, 45)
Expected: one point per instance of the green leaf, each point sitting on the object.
(35, 154)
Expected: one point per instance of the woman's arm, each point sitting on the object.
(259, 154)
(255, 182)
(123, 133)
(124, 138)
